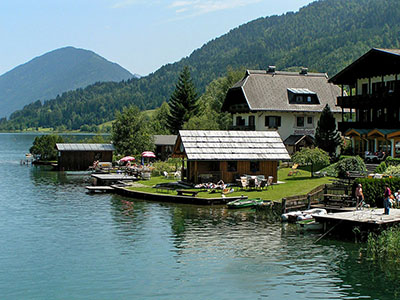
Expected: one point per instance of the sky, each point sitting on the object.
(139, 35)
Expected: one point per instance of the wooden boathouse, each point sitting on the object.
(211, 156)
(79, 157)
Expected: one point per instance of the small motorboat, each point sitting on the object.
(244, 203)
(309, 225)
(294, 216)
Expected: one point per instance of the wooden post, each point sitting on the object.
(308, 201)
(283, 205)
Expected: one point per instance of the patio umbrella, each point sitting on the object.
(127, 158)
(148, 154)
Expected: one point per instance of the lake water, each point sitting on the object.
(57, 242)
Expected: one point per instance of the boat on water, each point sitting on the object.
(294, 216)
(244, 203)
(309, 225)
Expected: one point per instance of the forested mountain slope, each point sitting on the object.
(53, 73)
(324, 36)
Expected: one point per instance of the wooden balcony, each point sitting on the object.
(243, 127)
(384, 99)
(344, 126)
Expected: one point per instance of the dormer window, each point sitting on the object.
(302, 96)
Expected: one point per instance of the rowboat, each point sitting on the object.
(308, 225)
(244, 203)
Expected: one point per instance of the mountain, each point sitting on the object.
(53, 73)
(324, 36)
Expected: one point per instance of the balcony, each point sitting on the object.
(387, 99)
(243, 127)
(344, 126)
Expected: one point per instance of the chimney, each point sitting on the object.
(271, 69)
(303, 71)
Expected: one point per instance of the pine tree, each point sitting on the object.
(326, 136)
(183, 102)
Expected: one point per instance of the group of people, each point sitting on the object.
(389, 200)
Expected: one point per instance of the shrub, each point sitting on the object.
(374, 189)
(390, 161)
(355, 164)
(381, 168)
(393, 171)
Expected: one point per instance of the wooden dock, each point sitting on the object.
(109, 179)
(367, 219)
(104, 189)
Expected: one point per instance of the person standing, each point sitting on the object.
(359, 196)
(386, 200)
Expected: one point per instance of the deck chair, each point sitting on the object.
(294, 170)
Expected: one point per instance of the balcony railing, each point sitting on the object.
(344, 126)
(366, 101)
(243, 127)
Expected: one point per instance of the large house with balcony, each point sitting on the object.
(288, 102)
(372, 120)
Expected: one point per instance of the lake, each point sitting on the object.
(58, 242)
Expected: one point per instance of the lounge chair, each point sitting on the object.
(294, 170)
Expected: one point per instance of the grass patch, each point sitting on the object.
(299, 184)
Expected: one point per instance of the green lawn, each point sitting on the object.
(299, 184)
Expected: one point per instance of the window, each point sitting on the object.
(364, 89)
(254, 166)
(240, 121)
(300, 122)
(302, 96)
(232, 166)
(252, 121)
(309, 120)
(272, 121)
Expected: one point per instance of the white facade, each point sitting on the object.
(291, 123)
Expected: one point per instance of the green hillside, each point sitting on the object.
(53, 73)
(324, 36)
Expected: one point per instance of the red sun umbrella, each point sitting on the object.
(148, 154)
(127, 158)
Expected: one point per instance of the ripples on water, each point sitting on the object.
(57, 242)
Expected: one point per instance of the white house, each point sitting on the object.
(288, 102)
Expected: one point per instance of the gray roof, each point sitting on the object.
(165, 140)
(233, 145)
(85, 147)
(295, 139)
(268, 91)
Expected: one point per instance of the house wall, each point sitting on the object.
(198, 169)
(288, 122)
(81, 160)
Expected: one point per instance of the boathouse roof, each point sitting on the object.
(230, 145)
(164, 140)
(270, 90)
(84, 147)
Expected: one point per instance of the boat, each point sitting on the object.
(244, 203)
(294, 216)
(309, 225)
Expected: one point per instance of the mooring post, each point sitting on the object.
(283, 205)
(308, 201)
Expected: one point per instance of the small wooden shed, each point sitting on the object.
(227, 155)
(79, 157)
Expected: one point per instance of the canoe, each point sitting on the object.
(308, 225)
(244, 203)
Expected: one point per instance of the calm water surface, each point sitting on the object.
(57, 242)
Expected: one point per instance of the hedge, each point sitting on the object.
(374, 189)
